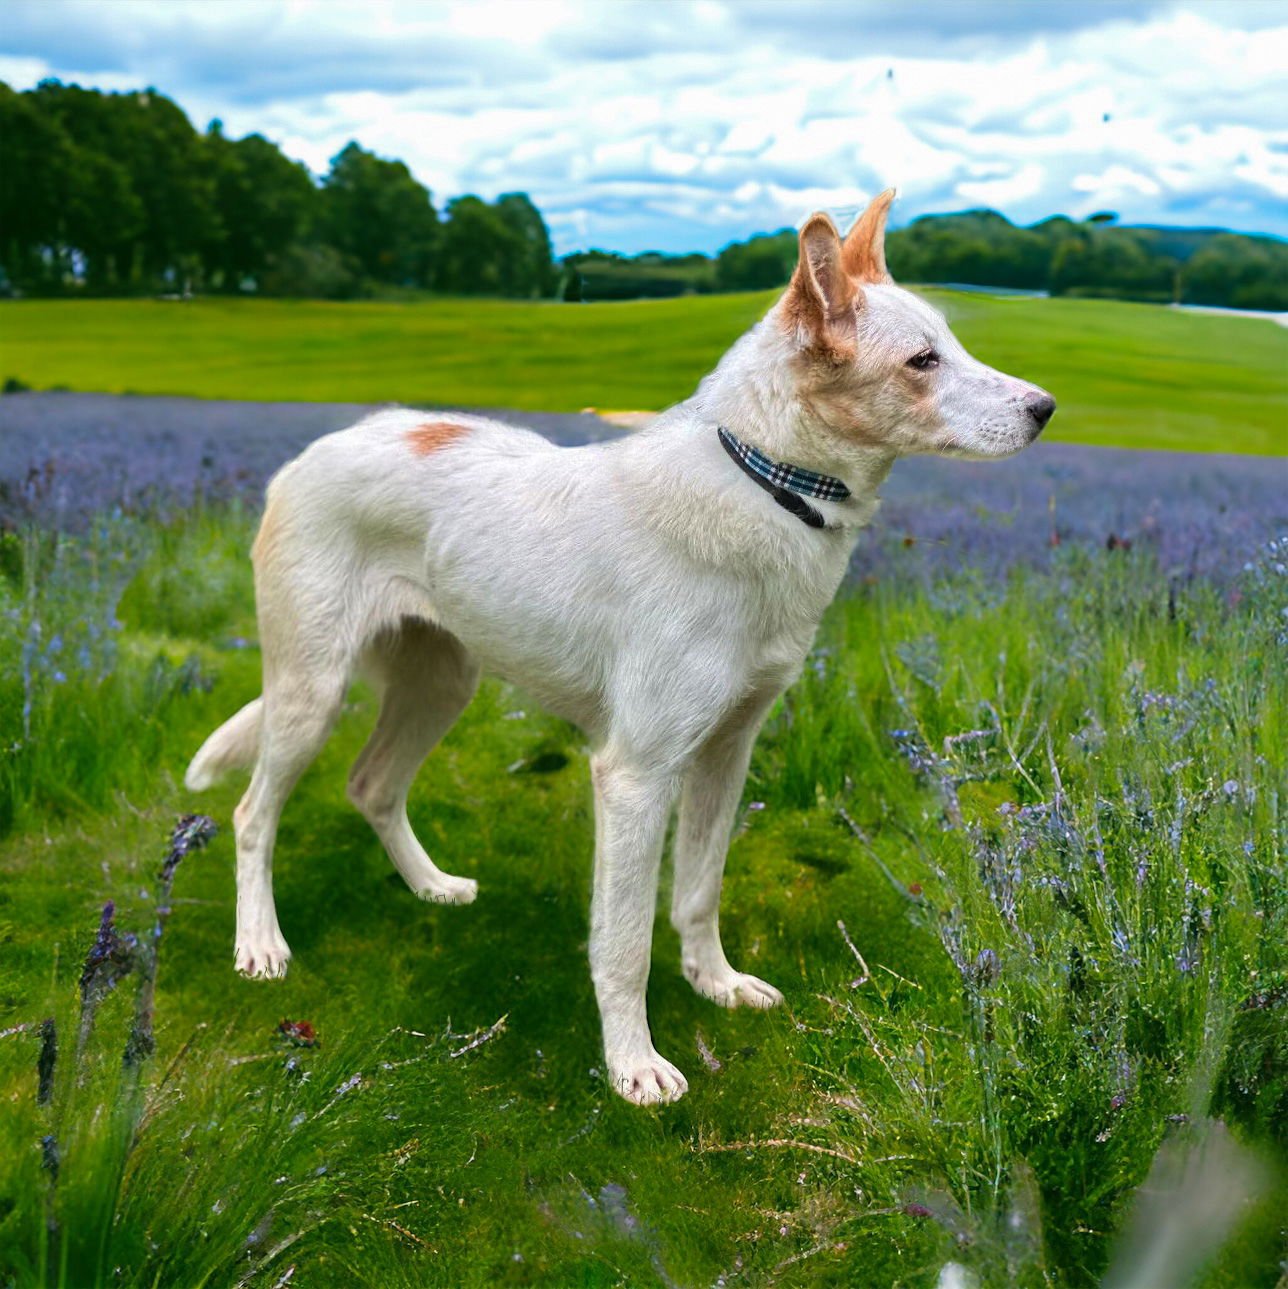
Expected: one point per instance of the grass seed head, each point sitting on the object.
(110, 958)
(192, 832)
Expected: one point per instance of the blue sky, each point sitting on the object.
(684, 124)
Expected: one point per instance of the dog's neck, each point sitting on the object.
(684, 486)
(754, 392)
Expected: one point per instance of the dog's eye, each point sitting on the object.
(927, 358)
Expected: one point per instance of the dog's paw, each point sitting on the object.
(647, 1080)
(735, 989)
(263, 959)
(446, 889)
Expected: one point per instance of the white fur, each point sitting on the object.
(645, 589)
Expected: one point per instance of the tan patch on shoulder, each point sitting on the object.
(433, 435)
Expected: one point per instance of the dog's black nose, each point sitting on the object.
(1041, 407)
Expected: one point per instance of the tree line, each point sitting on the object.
(1092, 257)
(120, 194)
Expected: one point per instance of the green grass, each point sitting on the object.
(1126, 375)
(1072, 927)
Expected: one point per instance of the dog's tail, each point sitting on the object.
(231, 747)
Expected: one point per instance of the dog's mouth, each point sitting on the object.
(984, 449)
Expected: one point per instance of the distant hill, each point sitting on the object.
(1058, 255)
(1180, 243)
(650, 275)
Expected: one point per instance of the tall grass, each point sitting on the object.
(105, 637)
(1046, 810)
(1101, 857)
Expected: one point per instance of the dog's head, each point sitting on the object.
(877, 366)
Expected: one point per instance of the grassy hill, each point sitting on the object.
(1126, 375)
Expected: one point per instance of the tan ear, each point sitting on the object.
(864, 257)
(821, 297)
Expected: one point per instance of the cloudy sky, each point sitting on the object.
(683, 124)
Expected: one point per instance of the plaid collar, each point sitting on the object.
(787, 484)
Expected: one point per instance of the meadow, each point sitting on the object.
(1128, 375)
(1014, 849)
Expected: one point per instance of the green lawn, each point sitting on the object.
(1126, 375)
(1048, 811)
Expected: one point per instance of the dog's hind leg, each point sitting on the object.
(428, 679)
(301, 701)
(309, 643)
(711, 788)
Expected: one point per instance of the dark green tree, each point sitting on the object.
(1110, 261)
(149, 194)
(375, 212)
(601, 275)
(35, 167)
(1239, 272)
(262, 202)
(758, 263)
(480, 249)
(976, 246)
(531, 271)
(68, 207)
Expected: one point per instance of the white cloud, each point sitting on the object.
(692, 123)
(1006, 190)
(20, 71)
(1115, 182)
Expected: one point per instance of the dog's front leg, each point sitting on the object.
(631, 809)
(709, 797)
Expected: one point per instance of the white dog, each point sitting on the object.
(660, 591)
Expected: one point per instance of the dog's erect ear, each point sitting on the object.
(864, 257)
(821, 297)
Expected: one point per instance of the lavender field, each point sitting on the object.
(1015, 848)
(66, 457)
